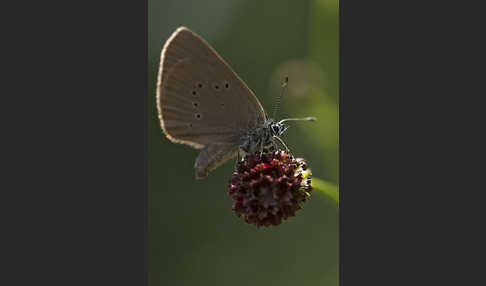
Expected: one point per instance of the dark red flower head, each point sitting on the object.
(269, 188)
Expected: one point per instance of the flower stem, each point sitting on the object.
(329, 189)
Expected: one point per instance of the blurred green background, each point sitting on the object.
(194, 238)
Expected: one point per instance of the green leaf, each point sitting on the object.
(329, 189)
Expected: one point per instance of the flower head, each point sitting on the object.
(269, 188)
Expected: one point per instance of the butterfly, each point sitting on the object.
(203, 103)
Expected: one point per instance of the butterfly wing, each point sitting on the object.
(212, 157)
(201, 101)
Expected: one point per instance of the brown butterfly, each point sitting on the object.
(204, 104)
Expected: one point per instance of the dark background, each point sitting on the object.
(194, 238)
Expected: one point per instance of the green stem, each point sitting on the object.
(329, 189)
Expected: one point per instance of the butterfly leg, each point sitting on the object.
(275, 146)
(237, 158)
(283, 144)
(261, 148)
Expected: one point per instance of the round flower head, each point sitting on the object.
(269, 188)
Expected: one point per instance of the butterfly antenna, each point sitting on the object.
(279, 98)
(298, 119)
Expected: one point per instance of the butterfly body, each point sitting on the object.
(262, 138)
(202, 103)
